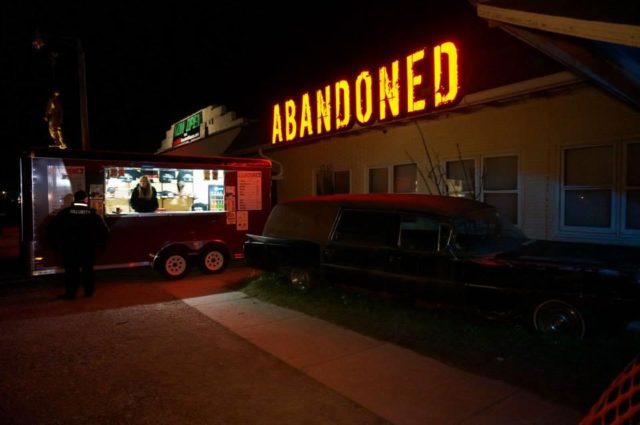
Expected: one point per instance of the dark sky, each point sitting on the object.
(149, 66)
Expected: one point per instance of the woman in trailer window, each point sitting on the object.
(144, 197)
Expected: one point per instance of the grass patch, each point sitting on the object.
(563, 370)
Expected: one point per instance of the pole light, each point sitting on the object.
(38, 43)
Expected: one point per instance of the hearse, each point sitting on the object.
(451, 250)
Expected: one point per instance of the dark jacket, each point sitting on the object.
(76, 231)
(140, 204)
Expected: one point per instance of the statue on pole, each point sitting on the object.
(53, 116)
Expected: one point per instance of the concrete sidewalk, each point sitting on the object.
(395, 383)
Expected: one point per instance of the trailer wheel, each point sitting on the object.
(174, 264)
(213, 259)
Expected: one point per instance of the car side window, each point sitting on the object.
(367, 227)
(419, 233)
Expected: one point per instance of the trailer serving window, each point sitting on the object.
(178, 189)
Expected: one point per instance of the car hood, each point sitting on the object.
(572, 255)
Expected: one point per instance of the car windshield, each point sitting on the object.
(484, 232)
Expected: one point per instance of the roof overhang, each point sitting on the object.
(602, 45)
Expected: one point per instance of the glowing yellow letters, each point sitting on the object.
(343, 104)
(399, 93)
(414, 80)
(364, 100)
(290, 118)
(323, 108)
(451, 51)
(389, 91)
(276, 130)
(305, 119)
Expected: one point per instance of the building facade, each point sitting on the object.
(562, 160)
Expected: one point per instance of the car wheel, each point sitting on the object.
(213, 260)
(300, 279)
(174, 264)
(558, 317)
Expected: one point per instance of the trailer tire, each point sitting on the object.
(213, 259)
(174, 264)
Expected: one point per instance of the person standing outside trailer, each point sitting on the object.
(144, 197)
(76, 232)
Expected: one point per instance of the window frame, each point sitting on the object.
(476, 179)
(391, 176)
(614, 203)
(314, 177)
(518, 190)
(624, 190)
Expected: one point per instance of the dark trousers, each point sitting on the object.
(78, 273)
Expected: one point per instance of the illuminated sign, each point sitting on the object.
(425, 80)
(187, 129)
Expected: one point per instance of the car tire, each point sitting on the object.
(560, 318)
(213, 259)
(174, 264)
(300, 279)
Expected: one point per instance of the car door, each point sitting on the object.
(424, 260)
(360, 246)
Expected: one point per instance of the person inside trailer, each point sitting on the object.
(144, 198)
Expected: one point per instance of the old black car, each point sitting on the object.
(452, 250)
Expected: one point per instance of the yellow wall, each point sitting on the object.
(534, 128)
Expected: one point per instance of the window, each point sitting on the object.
(500, 184)
(379, 180)
(588, 180)
(403, 179)
(461, 178)
(330, 182)
(178, 190)
(419, 233)
(601, 189)
(632, 188)
(368, 228)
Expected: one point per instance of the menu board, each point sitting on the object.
(249, 190)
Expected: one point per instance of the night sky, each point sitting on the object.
(149, 66)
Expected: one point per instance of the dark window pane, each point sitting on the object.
(404, 178)
(588, 166)
(419, 233)
(633, 164)
(633, 209)
(505, 203)
(341, 182)
(463, 173)
(324, 182)
(379, 180)
(589, 208)
(501, 173)
(365, 227)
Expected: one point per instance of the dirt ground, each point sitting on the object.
(136, 354)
